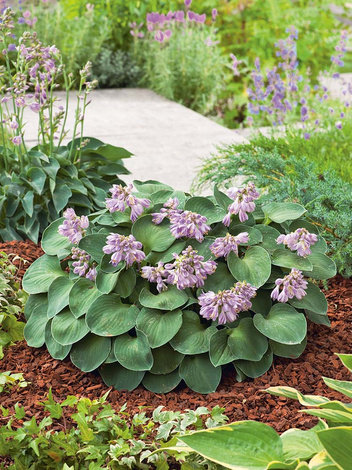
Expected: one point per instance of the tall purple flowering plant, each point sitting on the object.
(158, 289)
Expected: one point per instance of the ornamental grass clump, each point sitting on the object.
(38, 183)
(161, 286)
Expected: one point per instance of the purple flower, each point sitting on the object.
(17, 140)
(122, 198)
(188, 224)
(227, 304)
(341, 49)
(156, 274)
(306, 135)
(235, 64)
(243, 202)
(83, 266)
(189, 269)
(292, 285)
(188, 3)
(73, 227)
(214, 13)
(223, 246)
(299, 240)
(168, 208)
(338, 125)
(123, 249)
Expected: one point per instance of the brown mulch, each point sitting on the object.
(241, 400)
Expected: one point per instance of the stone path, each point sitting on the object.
(168, 140)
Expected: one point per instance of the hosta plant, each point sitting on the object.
(38, 183)
(161, 287)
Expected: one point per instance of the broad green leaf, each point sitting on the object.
(222, 199)
(167, 256)
(120, 378)
(346, 360)
(242, 445)
(161, 383)
(323, 267)
(255, 369)
(204, 206)
(61, 196)
(254, 267)
(34, 330)
(199, 373)
(126, 282)
(262, 302)
(280, 212)
(33, 301)
(106, 282)
(305, 400)
(67, 329)
(255, 235)
(193, 337)
(58, 295)
(338, 443)
(159, 327)
(270, 235)
(316, 318)
(82, 295)
(41, 274)
(288, 259)
(220, 352)
(246, 342)
(303, 223)
(165, 360)
(314, 300)
(133, 352)
(342, 386)
(153, 237)
(52, 242)
(222, 279)
(89, 353)
(171, 299)
(291, 351)
(36, 178)
(322, 461)
(150, 186)
(333, 417)
(56, 350)
(27, 202)
(298, 444)
(108, 316)
(283, 324)
(93, 245)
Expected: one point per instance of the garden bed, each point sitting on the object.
(240, 400)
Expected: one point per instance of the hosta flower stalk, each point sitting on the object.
(225, 245)
(243, 203)
(300, 240)
(122, 198)
(73, 227)
(123, 248)
(292, 285)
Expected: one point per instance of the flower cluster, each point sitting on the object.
(227, 304)
(188, 270)
(83, 266)
(166, 211)
(292, 285)
(299, 240)
(123, 248)
(122, 198)
(73, 227)
(243, 203)
(224, 245)
(341, 50)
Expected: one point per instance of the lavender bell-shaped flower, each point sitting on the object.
(292, 285)
(84, 267)
(299, 240)
(188, 224)
(168, 208)
(123, 248)
(224, 245)
(156, 274)
(122, 198)
(73, 227)
(243, 203)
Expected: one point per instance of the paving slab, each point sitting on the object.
(167, 139)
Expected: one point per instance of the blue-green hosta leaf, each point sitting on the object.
(36, 178)
(199, 373)
(108, 316)
(246, 342)
(262, 302)
(323, 266)
(283, 324)
(153, 237)
(242, 445)
(254, 267)
(314, 300)
(41, 274)
(67, 329)
(93, 245)
(338, 442)
(133, 352)
(161, 383)
(56, 350)
(280, 212)
(255, 236)
(204, 206)
(106, 282)
(167, 256)
(193, 337)
(126, 282)
(58, 295)
(222, 199)
(298, 444)
(316, 318)
(61, 196)
(33, 301)
(159, 327)
(34, 330)
(27, 203)
(170, 299)
(270, 235)
(288, 259)
(81, 296)
(165, 360)
(119, 377)
(53, 243)
(150, 187)
(255, 369)
(222, 279)
(89, 353)
(220, 352)
(291, 351)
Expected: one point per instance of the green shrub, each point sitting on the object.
(99, 437)
(115, 69)
(254, 445)
(283, 176)
(107, 312)
(12, 300)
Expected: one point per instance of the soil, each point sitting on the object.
(241, 401)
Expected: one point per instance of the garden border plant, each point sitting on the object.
(134, 291)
